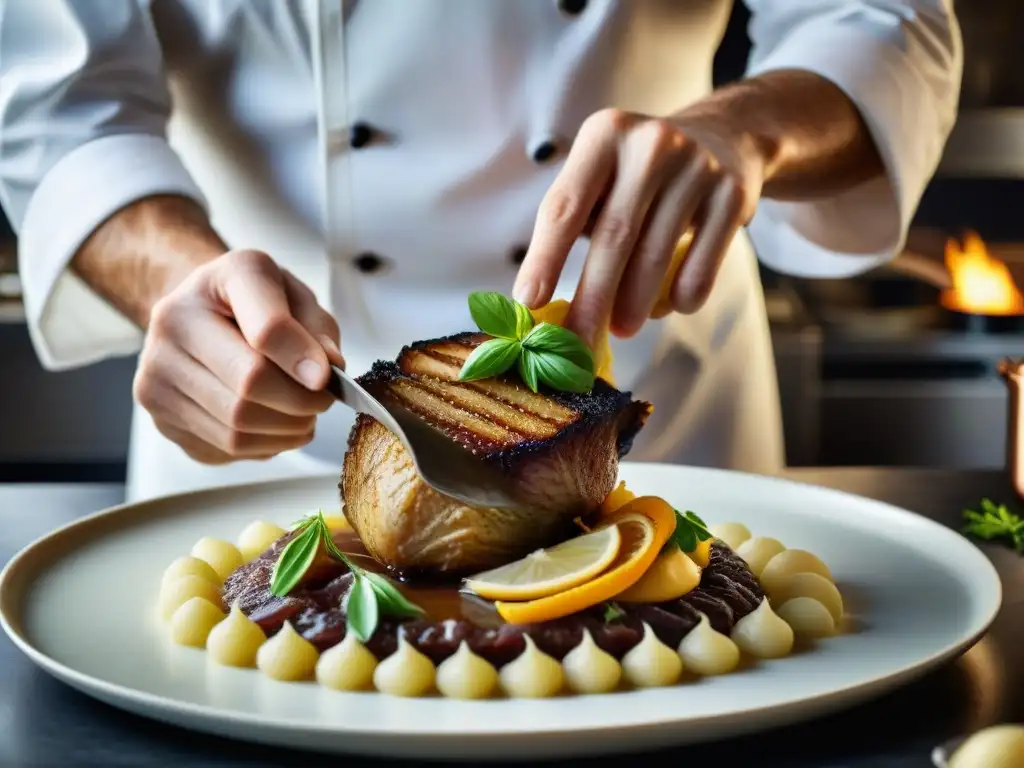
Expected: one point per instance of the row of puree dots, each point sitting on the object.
(190, 603)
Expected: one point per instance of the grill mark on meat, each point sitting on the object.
(315, 612)
(431, 362)
(464, 425)
(519, 397)
(523, 423)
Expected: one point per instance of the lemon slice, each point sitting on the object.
(645, 525)
(548, 571)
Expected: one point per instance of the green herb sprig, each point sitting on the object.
(543, 353)
(995, 522)
(371, 594)
(613, 613)
(690, 531)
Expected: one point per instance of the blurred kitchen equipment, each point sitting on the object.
(909, 354)
(1012, 372)
(11, 309)
(991, 32)
(988, 140)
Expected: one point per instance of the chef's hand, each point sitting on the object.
(638, 184)
(236, 359)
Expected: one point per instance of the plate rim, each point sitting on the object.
(12, 598)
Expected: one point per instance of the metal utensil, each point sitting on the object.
(444, 465)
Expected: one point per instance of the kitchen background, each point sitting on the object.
(897, 367)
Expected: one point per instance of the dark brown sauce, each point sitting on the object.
(440, 601)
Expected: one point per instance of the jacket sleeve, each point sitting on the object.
(900, 62)
(83, 113)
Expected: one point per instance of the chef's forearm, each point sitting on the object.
(811, 137)
(144, 250)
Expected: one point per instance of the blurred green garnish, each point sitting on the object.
(994, 521)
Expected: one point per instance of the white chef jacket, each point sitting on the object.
(467, 109)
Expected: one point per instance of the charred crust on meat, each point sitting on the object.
(601, 404)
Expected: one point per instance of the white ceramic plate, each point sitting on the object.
(79, 603)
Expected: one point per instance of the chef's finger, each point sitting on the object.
(563, 214)
(718, 226)
(645, 163)
(252, 286)
(235, 412)
(647, 270)
(194, 448)
(216, 344)
(314, 318)
(181, 411)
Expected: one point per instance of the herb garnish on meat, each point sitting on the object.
(543, 353)
(370, 595)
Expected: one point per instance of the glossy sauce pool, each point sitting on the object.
(439, 601)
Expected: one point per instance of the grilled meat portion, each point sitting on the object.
(559, 451)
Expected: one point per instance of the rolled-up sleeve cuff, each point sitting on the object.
(906, 94)
(69, 323)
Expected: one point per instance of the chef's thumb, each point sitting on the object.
(267, 309)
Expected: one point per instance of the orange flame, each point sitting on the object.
(982, 284)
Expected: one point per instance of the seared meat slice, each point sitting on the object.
(559, 451)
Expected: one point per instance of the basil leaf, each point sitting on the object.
(528, 369)
(294, 560)
(329, 546)
(303, 522)
(524, 320)
(692, 517)
(685, 538)
(389, 598)
(493, 357)
(494, 314)
(548, 337)
(361, 611)
(561, 374)
(700, 528)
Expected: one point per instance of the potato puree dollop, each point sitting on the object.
(257, 537)
(532, 675)
(190, 566)
(651, 663)
(347, 666)
(762, 634)
(807, 617)
(192, 622)
(730, 534)
(177, 592)
(236, 640)
(406, 672)
(222, 556)
(589, 669)
(1000, 746)
(758, 551)
(287, 655)
(465, 675)
(814, 586)
(706, 651)
(785, 565)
